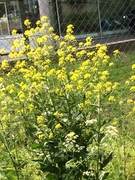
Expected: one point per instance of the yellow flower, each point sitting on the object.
(116, 52)
(103, 48)
(31, 107)
(87, 75)
(21, 95)
(98, 88)
(38, 23)
(133, 66)
(129, 101)
(132, 89)
(2, 51)
(40, 136)
(70, 29)
(43, 18)
(68, 87)
(115, 85)
(62, 44)
(40, 119)
(27, 33)
(80, 84)
(57, 114)
(27, 23)
(82, 52)
(81, 105)
(133, 109)
(98, 45)
(56, 37)
(111, 64)
(51, 29)
(50, 136)
(105, 73)
(103, 78)
(37, 76)
(120, 102)
(70, 135)
(14, 32)
(51, 72)
(81, 44)
(89, 39)
(127, 82)
(4, 108)
(89, 54)
(132, 78)
(10, 88)
(58, 91)
(5, 64)
(23, 86)
(58, 126)
(114, 123)
(61, 74)
(3, 118)
(106, 57)
(87, 102)
(75, 75)
(88, 93)
(61, 53)
(2, 145)
(111, 98)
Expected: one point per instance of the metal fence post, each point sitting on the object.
(44, 8)
(99, 17)
(22, 14)
(58, 18)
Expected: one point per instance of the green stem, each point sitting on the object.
(123, 129)
(124, 147)
(10, 154)
(98, 138)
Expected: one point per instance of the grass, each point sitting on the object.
(121, 71)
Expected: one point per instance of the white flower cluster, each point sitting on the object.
(70, 144)
(111, 132)
(90, 122)
(89, 174)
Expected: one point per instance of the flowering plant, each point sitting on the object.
(60, 104)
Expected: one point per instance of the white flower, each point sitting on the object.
(70, 135)
(90, 122)
(111, 131)
(86, 173)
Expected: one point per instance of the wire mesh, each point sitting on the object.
(107, 21)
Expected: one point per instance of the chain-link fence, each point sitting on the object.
(107, 21)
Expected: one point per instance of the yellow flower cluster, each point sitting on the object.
(91, 77)
(4, 64)
(58, 126)
(27, 23)
(57, 84)
(56, 79)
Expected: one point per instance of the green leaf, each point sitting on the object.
(10, 174)
(35, 146)
(49, 168)
(50, 177)
(102, 123)
(101, 136)
(104, 175)
(106, 160)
